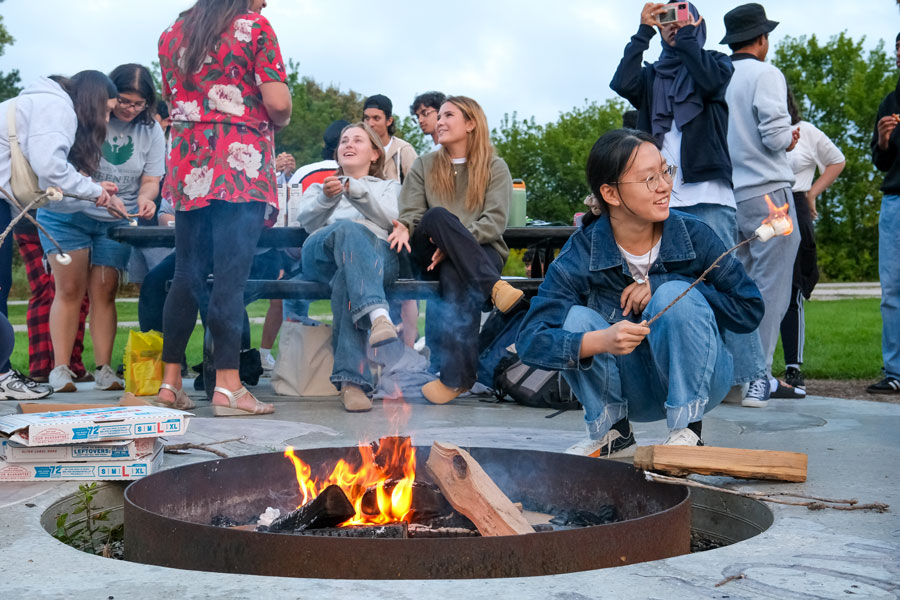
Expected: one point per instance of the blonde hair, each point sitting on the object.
(479, 153)
(376, 168)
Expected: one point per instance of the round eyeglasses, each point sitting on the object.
(653, 182)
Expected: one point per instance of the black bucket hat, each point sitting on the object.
(746, 22)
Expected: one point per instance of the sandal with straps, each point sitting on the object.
(182, 400)
(232, 409)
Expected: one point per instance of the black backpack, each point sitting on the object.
(500, 369)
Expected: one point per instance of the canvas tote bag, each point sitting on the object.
(305, 360)
(22, 179)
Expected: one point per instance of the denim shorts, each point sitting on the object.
(77, 231)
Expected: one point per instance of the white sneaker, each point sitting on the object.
(268, 361)
(683, 437)
(106, 379)
(16, 386)
(61, 379)
(611, 445)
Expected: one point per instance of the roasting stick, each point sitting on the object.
(55, 195)
(702, 277)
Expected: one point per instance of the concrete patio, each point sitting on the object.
(853, 448)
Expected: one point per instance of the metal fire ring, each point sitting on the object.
(167, 518)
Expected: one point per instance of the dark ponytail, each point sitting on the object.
(610, 157)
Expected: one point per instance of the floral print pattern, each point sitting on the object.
(222, 143)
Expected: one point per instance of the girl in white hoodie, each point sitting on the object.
(349, 217)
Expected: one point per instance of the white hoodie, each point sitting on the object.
(45, 127)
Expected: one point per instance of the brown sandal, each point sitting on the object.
(182, 400)
(232, 410)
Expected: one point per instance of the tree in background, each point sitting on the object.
(316, 107)
(9, 82)
(838, 87)
(551, 158)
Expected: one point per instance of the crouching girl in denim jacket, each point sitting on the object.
(589, 319)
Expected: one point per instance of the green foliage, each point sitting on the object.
(90, 532)
(838, 87)
(9, 82)
(408, 130)
(551, 158)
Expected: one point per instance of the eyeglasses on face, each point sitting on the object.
(425, 113)
(139, 105)
(653, 182)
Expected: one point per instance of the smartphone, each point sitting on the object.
(675, 13)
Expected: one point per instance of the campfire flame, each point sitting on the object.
(778, 218)
(389, 469)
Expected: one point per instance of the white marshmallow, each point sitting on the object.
(63, 258)
(781, 225)
(54, 194)
(765, 232)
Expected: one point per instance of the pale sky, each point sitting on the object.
(535, 58)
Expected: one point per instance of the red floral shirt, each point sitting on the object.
(222, 142)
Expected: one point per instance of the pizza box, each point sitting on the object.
(93, 425)
(83, 471)
(96, 451)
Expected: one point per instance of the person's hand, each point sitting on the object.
(103, 199)
(332, 186)
(284, 163)
(399, 237)
(623, 337)
(886, 127)
(650, 13)
(795, 137)
(694, 22)
(146, 208)
(117, 208)
(436, 259)
(635, 298)
(110, 187)
(811, 200)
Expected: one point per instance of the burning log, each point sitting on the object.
(473, 493)
(328, 509)
(390, 531)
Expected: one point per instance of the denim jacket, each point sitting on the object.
(590, 271)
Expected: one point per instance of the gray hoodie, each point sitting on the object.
(45, 127)
(370, 201)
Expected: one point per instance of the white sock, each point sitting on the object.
(265, 352)
(379, 312)
(773, 383)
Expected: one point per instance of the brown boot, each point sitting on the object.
(382, 332)
(354, 398)
(438, 393)
(505, 296)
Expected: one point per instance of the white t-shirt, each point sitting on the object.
(813, 149)
(717, 191)
(639, 265)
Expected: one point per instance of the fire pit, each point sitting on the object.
(168, 520)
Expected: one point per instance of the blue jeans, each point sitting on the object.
(745, 348)
(889, 273)
(358, 266)
(680, 371)
(77, 231)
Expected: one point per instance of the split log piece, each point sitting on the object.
(731, 462)
(472, 492)
(329, 509)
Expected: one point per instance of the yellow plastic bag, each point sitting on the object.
(143, 363)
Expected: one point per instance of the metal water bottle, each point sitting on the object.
(517, 205)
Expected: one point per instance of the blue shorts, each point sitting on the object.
(77, 231)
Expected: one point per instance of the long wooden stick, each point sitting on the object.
(813, 503)
(701, 278)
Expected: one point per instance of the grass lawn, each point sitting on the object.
(843, 337)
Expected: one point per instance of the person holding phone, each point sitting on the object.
(619, 269)
(681, 102)
(349, 216)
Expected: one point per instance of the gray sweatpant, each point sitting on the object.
(770, 264)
